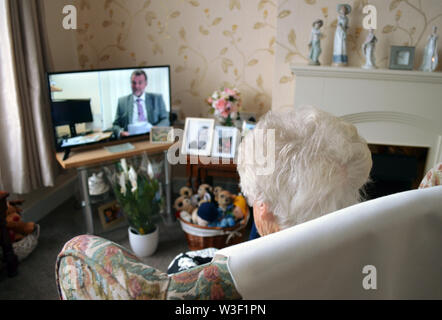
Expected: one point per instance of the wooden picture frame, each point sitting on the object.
(110, 214)
(402, 58)
(225, 142)
(198, 136)
(161, 135)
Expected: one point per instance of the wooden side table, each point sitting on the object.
(82, 160)
(8, 252)
(202, 170)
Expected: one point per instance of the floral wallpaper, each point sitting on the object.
(399, 22)
(207, 43)
(249, 44)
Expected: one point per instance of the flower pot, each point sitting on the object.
(143, 245)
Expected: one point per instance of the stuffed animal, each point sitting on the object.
(205, 193)
(216, 192)
(207, 215)
(225, 199)
(183, 204)
(186, 192)
(239, 206)
(17, 228)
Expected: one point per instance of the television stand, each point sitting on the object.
(83, 160)
(66, 153)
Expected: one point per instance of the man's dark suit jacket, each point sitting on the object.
(155, 111)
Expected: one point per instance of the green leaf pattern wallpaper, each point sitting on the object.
(399, 22)
(248, 44)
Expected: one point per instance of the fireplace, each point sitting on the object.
(395, 169)
(399, 113)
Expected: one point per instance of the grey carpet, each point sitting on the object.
(36, 274)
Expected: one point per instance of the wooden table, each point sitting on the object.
(202, 170)
(84, 159)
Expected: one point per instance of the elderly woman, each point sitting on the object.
(320, 165)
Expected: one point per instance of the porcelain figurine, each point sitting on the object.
(315, 43)
(340, 57)
(430, 59)
(368, 49)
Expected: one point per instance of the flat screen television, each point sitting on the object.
(100, 106)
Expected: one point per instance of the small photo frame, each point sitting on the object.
(401, 58)
(161, 135)
(225, 141)
(198, 136)
(110, 214)
(247, 127)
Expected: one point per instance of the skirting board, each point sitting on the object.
(49, 199)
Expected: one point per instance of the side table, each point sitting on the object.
(82, 160)
(202, 170)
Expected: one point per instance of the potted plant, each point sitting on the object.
(139, 194)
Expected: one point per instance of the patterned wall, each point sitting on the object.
(400, 22)
(207, 43)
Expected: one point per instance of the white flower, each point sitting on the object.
(122, 182)
(124, 165)
(133, 179)
(150, 170)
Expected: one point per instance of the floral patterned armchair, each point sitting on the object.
(398, 235)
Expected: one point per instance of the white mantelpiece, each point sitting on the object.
(387, 106)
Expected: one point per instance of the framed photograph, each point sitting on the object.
(161, 135)
(401, 58)
(110, 214)
(247, 127)
(225, 141)
(198, 136)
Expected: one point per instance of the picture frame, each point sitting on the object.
(161, 135)
(225, 142)
(402, 58)
(198, 136)
(110, 214)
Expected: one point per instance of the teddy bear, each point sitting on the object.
(186, 192)
(17, 228)
(216, 192)
(184, 207)
(205, 193)
(225, 208)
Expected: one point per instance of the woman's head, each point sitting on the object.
(321, 163)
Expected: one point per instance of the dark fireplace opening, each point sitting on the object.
(395, 169)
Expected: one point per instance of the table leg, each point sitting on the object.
(86, 203)
(167, 177)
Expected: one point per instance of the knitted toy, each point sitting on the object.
(239, 206)
(184, 208)
(16, 227)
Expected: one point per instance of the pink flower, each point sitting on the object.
(221, 104)
(210, 100)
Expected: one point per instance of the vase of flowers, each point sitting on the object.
(225, 105)
(139, 193)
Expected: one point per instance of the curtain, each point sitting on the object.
(27, 153)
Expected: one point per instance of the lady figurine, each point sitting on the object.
(368, 49)
(429, 62)
(340, 57)
(315, 43)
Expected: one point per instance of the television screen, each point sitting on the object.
(99, 106)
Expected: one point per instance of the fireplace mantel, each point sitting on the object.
(391, 107)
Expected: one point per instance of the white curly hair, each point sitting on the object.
(321, 165)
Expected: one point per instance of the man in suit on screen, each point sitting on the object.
(139, 111)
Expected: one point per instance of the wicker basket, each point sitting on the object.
(26, 245)
(199, 237)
